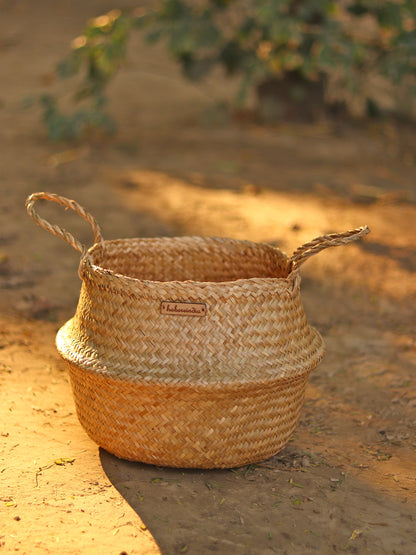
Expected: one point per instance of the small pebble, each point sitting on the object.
(306, 461)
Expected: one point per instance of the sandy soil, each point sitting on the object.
(347, 480)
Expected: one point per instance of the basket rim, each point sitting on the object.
(89, 267)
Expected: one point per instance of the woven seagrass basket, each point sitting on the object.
(188, 351)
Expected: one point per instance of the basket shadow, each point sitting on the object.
(293, 503)
(200, 511)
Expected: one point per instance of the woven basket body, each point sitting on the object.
(189, 352)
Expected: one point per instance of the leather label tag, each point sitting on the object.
(173, 308)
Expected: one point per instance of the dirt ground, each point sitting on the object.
(178, 166)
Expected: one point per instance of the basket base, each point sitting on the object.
(185, 425)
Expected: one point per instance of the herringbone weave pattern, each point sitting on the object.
(189, 351)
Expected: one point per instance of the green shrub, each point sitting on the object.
(343, 42)
(339, 44)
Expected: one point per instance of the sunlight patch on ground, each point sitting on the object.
(252, 214)
(286, 220)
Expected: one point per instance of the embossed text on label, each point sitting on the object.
(173, 308)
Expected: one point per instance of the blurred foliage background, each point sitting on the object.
(302, 60)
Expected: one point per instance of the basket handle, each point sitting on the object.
(320, 243)
(59, 231)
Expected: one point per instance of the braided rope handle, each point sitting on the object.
(59, 231)
(325, 241)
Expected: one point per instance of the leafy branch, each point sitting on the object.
(94, 59)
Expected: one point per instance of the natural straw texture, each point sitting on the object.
(189, 351)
